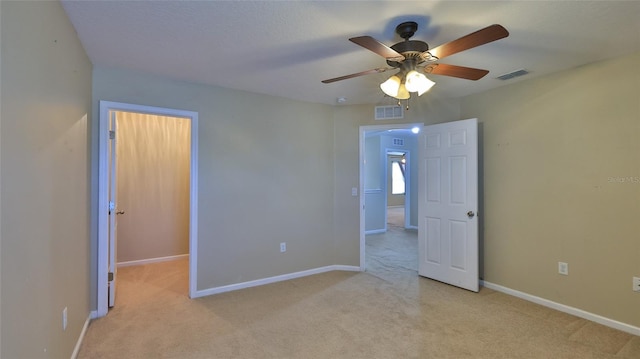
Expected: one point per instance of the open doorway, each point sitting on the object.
(388, 220)
(397, 188)
(152, 153)
(153, 169)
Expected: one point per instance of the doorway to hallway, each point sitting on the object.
(388, 237)
(108, 210)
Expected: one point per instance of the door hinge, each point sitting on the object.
(112, 135)
(110, 279)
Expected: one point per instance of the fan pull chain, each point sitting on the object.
(400, 103)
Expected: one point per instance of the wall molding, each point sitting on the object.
(152, 260)
(375, 231)
(275, 279)
(76, 349)
(564, 308)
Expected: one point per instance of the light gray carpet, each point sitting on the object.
(387, 312)
(395, 216)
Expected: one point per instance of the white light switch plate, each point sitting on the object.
(563, 268)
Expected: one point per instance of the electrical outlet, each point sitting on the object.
(64, 318)
(563, 268)
(636, 284)
(283, 247)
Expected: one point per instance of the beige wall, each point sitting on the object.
(265, 175)
(0, 187)
(46, 98)
(372, 167)
(374, 215)
(555, 151)
(153, 157)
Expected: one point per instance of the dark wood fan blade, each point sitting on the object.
(462, 72)
(368, 72)
(480, 37)
(379, 48)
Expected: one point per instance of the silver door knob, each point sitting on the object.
(470, 214)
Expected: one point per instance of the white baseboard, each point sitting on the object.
(565, 308)
(345, 268)
(74, 355)
(375, 231)
(152, 260)
(279, 278)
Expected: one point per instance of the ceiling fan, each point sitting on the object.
(413, 58)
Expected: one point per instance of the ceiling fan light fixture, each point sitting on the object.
(428, 84)
(391, 86)
(403, 94)
(417, 82)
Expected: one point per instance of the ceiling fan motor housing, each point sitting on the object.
(410, 49)
(407, 29)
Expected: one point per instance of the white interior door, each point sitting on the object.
(448, 203)
(113, 209)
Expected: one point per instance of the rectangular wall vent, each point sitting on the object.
(389, 112)
(512, 74)
(398, 141)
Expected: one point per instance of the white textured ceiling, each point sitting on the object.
(285, 48)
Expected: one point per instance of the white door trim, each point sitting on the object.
(363, 130)
(103, 193)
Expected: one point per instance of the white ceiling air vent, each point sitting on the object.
(398, 141)
(392, 112)
(512, 74)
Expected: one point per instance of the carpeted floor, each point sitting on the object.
(387, 312)
(395, 216)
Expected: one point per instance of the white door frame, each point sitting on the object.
(103, 193)
(363, 130)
